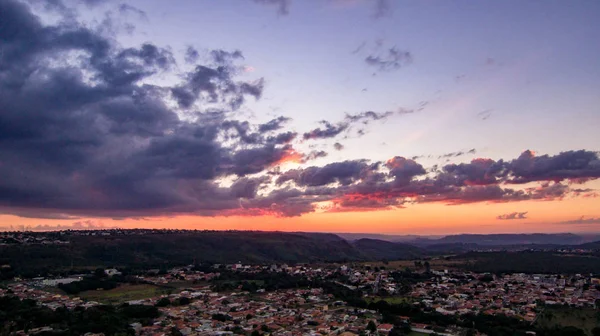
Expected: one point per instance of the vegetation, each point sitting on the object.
(124, 293)
(163, 250)
(531, 262)
(17, 314)
(584, 319)
(269, 281)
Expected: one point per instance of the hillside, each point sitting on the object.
(167, 249)
(376, 249)
(504, 239)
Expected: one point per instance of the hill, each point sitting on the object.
(160, 249)
(163, 249)
(375, 249)
(504, 239)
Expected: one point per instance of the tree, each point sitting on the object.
(163, 302)
(371, 326)
(596, 331)
(182, 301)
(175, 332)
(470, 332)
(99, 273)
(396, 332)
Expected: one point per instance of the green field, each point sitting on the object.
(124, 293)
(586, 319)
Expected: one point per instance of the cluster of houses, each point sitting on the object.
(518, 295)
(283, 312)
(312, 312)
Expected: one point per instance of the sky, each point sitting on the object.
(371, 116)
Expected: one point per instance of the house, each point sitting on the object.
(112, 271)
(385, 328)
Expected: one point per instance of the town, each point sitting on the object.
(352, 299)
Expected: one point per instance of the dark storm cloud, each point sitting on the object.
(390, 60)
(88, 136)
(283, 6)
(513, 215)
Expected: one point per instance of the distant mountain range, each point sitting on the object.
(481, 239)
(165, 249)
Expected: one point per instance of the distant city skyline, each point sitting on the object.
(343, 116)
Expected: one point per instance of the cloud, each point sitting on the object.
(513, 215)
(365, 117)
(383, 8)
(85, 131)
(283, 6)
(582, 220)
(403, 170)
(485, 114)
(338, 146)
(274, 124)
(390, 60)
(223, 57)
(93, 3)
(125, 8)
(91, 135)
(327, 131)
(344, 173)
(457, 154)
(282, 138)
(314, 155)
(571, 165)
(191, 55)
